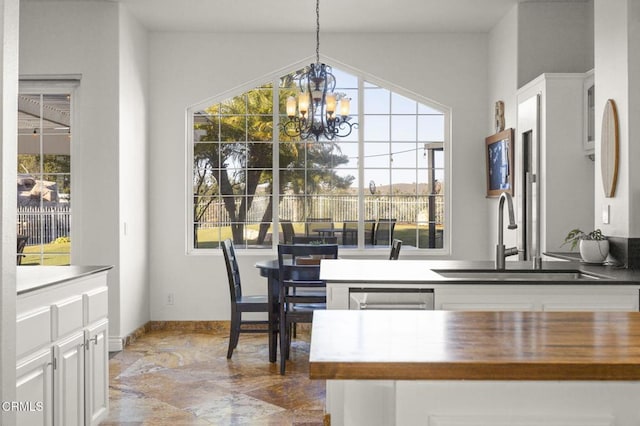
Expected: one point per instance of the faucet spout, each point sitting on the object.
(501, 252)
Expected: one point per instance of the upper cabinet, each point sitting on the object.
(589, 113)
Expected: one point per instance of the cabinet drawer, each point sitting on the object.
(33, 330)
(96, 304)
(67, 316)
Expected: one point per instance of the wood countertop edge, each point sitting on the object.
(589, 371)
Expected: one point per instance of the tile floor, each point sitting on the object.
(184, 378)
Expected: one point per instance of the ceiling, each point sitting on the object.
(335, 15)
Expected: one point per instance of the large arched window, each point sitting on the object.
(385, 180)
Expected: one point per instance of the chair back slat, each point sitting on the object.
(384, 231)
(233, 271)
(395, 249)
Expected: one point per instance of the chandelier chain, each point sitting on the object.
(318, 112)
(317, 31)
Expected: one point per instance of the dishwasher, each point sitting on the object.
(391, 298)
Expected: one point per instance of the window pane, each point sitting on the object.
(377, 155)
(377, 128)
(431, 128)
(377, 101)
(402, 105)
(404, 182)
(346, 156)
(260, 128)
(403, 164)
(233, 128)
(404, 155)
(403, 128)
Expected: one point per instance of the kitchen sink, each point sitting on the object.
(519, 275)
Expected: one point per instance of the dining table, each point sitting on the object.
(269, 269)
(348, 234)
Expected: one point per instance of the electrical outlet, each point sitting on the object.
(605, 214)
(170, 299)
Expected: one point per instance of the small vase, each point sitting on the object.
(594, 251)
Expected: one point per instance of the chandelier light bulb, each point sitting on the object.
(345, 107)
(330, 101)
(303, 103)
(291, 107)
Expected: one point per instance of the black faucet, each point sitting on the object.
(501, 252)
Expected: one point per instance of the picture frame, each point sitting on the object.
(500, 171)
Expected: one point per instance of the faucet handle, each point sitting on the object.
(511, 251)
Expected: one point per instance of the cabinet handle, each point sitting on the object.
(94, 339)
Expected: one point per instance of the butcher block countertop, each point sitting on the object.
(451, 345)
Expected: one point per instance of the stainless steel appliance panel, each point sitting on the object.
(391, 298)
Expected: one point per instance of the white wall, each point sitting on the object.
(87, 45)
(554, 37)
(503, 85)
(133, 292)
(9, 12)
(612, 82)
(188, 68)
(633, 11)
(534, 38)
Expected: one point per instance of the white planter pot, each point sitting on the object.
(594, 251)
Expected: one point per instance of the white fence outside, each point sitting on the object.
(405, 209)
(44, 225)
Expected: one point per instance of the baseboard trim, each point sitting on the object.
(119, 343)
(115, 344)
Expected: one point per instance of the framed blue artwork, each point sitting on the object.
(500, 163)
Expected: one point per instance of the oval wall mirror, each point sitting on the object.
(609, 148)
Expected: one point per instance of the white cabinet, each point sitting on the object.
(69, 380)
(62, 352)
(34, 389)
(537, 298)
(97, 373)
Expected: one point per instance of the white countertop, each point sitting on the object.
(424, 271)
(31, 278)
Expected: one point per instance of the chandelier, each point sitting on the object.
(320, 111)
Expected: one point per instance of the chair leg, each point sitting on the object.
(284, 337)
(234, 333)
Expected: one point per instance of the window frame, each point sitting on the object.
(56, 85)
(274, 79)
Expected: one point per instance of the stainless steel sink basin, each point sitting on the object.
(519, 275)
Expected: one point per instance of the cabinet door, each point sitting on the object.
(34, 390)
(68, 379)
(97, 373)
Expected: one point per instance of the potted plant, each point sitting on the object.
(594, 246)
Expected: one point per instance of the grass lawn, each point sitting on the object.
(54, 254)
(208, 238)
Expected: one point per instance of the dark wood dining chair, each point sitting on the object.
(349, 233)
(384, 231)
(22, 243)
(317, 223)
(301, 290)
(241, 303)
(287, 231)
(396, 245)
